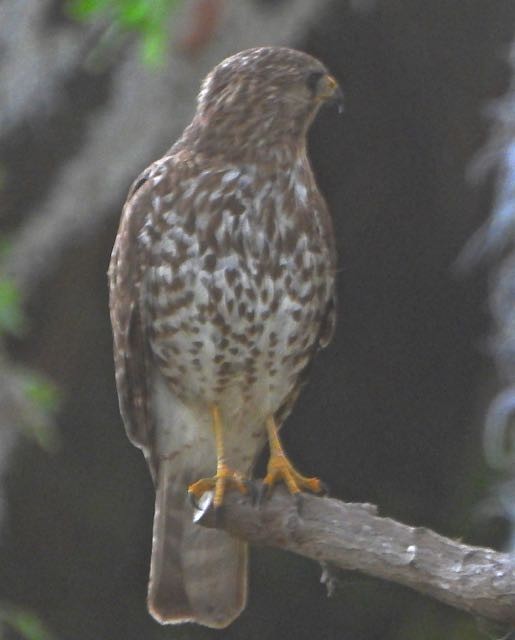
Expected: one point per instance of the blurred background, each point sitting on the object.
(410, 406)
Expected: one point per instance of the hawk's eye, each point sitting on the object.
(313, 79)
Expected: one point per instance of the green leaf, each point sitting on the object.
(27, 624)
(153, 48)
(12, 319)
(147, 17)
(85, 9)
(42, 392)
(45, 399)
(134, 13)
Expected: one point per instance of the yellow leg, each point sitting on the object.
(224, 476)
(280, 468)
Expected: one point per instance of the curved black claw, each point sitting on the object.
(193, 500)
(252, 491)
(219, 515)
(263, 492)
(297, 501)
(324, 489)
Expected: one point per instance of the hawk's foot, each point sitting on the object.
(280, 469)
(224, 479)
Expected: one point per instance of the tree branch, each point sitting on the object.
(352, 536)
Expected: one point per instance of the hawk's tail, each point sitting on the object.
(196, 574)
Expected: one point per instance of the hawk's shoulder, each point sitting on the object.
(126, 273)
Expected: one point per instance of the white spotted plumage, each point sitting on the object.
(221, 291)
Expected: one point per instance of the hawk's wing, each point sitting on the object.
(328, 324)
(131, 350)
(328, 317)
(325, 226)
(196, 574)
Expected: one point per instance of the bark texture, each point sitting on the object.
(352, 536)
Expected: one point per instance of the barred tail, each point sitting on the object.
(196, 574)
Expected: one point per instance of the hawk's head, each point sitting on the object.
(264, 96)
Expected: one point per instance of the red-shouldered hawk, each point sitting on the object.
(222, 288)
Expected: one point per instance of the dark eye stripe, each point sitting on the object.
(313, 79)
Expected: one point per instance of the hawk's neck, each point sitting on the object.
(272, 147)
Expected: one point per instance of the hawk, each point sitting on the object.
(222, 289)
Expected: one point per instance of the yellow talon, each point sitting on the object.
(224, 477)
(280, 468)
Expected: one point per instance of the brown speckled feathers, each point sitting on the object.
(221, 291)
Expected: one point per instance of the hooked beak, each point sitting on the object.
(329, 91)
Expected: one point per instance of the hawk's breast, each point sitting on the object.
(239, 280)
